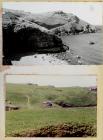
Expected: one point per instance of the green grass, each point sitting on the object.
(38, 116)
(18, 121)
(17, 94)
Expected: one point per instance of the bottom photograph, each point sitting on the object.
(51, 106)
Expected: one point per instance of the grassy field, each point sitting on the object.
(33, 115)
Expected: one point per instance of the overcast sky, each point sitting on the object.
(88, 11)
(59, 81)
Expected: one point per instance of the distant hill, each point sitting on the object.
(99, 28)
(51, 20)
(18, 94)
(55, 19)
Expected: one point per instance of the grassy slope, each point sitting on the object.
(37, 116)
(18, 94)
(18, 121)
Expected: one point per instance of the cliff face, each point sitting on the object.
(21, 36)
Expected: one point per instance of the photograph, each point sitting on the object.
(52, 33)
(51, 106)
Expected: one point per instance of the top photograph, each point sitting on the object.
(52, 33)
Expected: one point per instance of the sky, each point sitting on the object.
(58, 81)
(88, 11)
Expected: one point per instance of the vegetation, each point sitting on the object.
(61, 130)
(33, 115)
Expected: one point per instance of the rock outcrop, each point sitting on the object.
(26, 33)
(22, 37)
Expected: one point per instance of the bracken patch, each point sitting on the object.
(61, 130)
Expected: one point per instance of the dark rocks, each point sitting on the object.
(91, 43)
(63, 104)
(48, 103)
(10, 107)
(22, 37)
(70, 105)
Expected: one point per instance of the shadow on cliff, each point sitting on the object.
(22, 38)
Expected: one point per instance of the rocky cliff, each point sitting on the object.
(22, 37)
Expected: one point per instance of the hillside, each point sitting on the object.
(55, 19)
(61, 37)
(52, 20)
(61, 21)
(22, 37)
(72, 96)
(35, 118)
